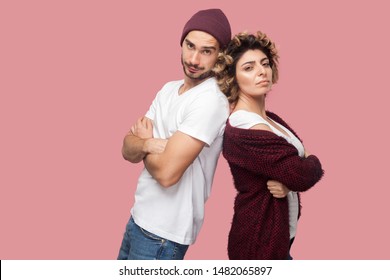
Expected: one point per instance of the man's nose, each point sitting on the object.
(195, 58)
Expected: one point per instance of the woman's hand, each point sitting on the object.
(277, 189)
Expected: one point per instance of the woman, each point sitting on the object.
(267, 159)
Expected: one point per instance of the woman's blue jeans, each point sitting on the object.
(139, 244)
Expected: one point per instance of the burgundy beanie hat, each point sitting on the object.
(212, 21)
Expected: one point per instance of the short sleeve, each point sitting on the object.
(205, 117)
(151, 113)
(244, 119)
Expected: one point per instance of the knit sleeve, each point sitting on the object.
(271, 156)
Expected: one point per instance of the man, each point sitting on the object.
(179, 141)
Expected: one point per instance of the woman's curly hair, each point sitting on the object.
(225, 68)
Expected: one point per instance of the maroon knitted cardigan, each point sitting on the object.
(260, 227)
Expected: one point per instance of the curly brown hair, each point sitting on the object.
(225, 68)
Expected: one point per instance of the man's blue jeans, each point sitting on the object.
(139, 244)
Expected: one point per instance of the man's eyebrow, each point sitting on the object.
(203, 48)
(209, 48)
(188, 41)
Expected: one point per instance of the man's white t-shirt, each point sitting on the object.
(177, 213)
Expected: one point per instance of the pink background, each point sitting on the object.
(75, 75)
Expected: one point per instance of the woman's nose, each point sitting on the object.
(261, 70)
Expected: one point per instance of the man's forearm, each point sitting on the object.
(161, 170)
(133, 148)
(169, 166)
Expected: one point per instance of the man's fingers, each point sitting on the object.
(144, 122)
(140, 122)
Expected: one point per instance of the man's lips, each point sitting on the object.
(193, 70)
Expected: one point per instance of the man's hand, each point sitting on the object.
(139, 141)
(143, 128)
(154, 145)
(277, 189)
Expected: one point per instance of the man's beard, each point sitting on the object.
(200, 77)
